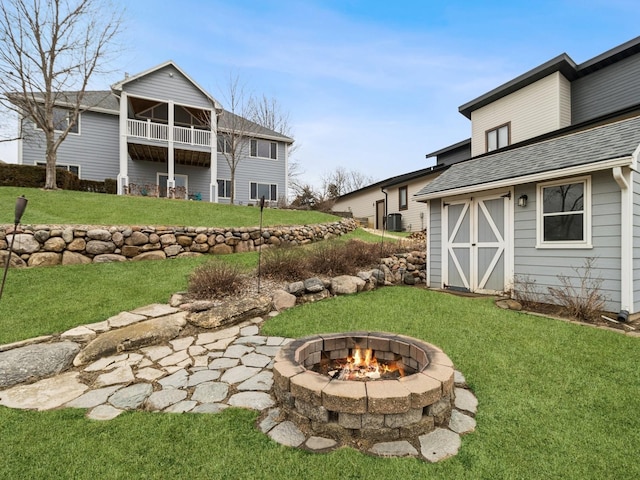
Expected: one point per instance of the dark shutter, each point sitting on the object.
(274, 192)
(274, 150)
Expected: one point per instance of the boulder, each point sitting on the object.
(35, 361)
(296, 288)
(74, 258)
(283, 300)
(23, 243)
(44, 259)
(313, 285)
(132, 337)
(15, 262)
(109, 258)
(346, 284)
(153, 255)
(99, 234)
(55, 244)
(98, 247)
(77, 245)
(136, 239)
(221, 249)
(232, 312)
(173, 250)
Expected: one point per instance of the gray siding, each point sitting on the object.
(606, 90)
(168, 84)
(434, 239)
(636, 242)
(455, 156)
(94, 149)
(544, 265)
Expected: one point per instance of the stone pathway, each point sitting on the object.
(205, 372)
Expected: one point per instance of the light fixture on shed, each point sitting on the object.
(522, 200)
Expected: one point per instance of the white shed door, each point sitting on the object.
(476, 243)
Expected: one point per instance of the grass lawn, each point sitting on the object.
(556, 400)
(69, 207)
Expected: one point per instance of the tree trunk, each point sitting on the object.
(50, 181)
(232, 200)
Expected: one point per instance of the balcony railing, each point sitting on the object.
(158, 131)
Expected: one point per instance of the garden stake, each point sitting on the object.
(21, 205)
(260, 246)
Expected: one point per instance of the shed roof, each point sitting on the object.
(611, 141)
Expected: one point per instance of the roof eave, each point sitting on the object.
(626, 161)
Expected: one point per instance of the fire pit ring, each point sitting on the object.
(376, 410)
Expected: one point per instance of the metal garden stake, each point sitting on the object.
(21, 205)
(260, 246)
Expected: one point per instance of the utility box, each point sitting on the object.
(394, 222)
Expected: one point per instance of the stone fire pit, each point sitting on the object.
(365, 411)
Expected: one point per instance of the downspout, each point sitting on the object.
(623, 179)
(386, 201)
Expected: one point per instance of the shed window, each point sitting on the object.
(564, 213)
(403, 198)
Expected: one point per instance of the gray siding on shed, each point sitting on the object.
(544, 265)
(168, 83)
(434, 238)
(94, 149)
(636, 241)
(606, 90)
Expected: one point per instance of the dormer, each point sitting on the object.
(535, 103)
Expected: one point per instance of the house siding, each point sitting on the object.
(544, 265)
(411, 217)
(362, 205)
(538, 108)
(434, 242)
(167, 84)
(95, 149)
(636, 241)
(606, 90)
(455, 156)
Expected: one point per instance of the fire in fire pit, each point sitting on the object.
(362, 365)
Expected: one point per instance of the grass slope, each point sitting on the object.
(81, 208)
(556, 400)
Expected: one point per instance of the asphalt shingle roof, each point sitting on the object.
(610, 141)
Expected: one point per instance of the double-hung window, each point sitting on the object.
(224, 188)
(62, 119)
(224, 144)
(75, 169)
(498, 137)
(264, 149)
(564, 213)
(267, 190)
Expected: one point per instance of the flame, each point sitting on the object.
(366, 365)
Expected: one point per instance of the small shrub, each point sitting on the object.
(216, 279)
(285, 263)
(584, 301)
(526, 291)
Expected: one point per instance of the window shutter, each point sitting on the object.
(274, 192)
(274, 150)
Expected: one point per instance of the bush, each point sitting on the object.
(328, 258)
(33, 176)
(216, 279)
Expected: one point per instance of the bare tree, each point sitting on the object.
(341, 181)
(49, 50)
(269, 113)
(236, 130)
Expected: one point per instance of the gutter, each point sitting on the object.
(624, 181)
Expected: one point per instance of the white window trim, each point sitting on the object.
(264, 183)
(263, 140)
(565, 244)
(223, 180)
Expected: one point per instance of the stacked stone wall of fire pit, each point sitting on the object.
(373, 410)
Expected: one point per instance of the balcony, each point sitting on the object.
(160, 132)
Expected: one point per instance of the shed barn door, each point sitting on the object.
(476, 244)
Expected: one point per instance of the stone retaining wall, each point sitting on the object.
(41, 245)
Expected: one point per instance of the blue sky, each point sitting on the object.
(369, 85)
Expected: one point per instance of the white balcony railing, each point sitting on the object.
(158, 131)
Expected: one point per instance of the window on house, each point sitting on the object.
(564, 213)
(224, 188)
(264, 149)
(403, 198)
(62, 118)
(75, 169)
(224, 144)
(267, 190)
(498, 137)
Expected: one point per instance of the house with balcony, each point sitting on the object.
(552, 184)
(161, 134)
